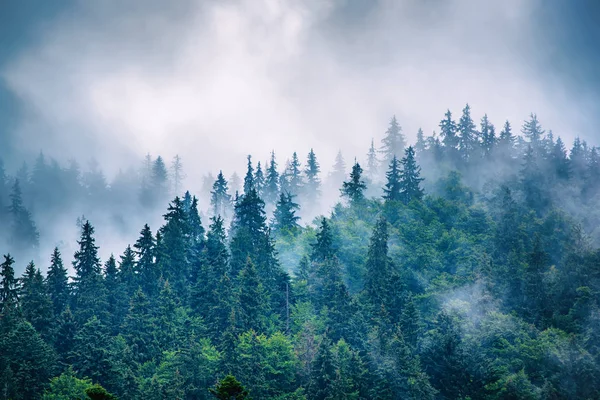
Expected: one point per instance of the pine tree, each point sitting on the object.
(253, 300)
(174, 262)
(355, 187)
(127, 275)
(24, 237)
(116, 293)
(379, 271)
(533, 287)
(145, 250)
(159, 181)
(421, 144)
(88, 288)
(234, 183)
(57, 283)
(312, 188)
(259, 179)
(372, 162)
(560, 161)
(410, 321)
(272, 182)
(9, 290)
(64, 335)
(338, 172)
(532, 181)
(285, 219)
(139, 329)
(506, 141)
(36, 305)
(532, 130)
(322, 373)
(229, 388)
(90, 355)
(410, 179)
(323, 248)
(249, 178)
(295, 176)
(220, 199)
(177, 173)
(393, 142)
(488, 136)
(448, 130)
(393, 187)
(467, 140)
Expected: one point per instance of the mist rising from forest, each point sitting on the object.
(215, 81)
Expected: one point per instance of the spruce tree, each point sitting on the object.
(448, 132)
(393, 142)
(88, 288)
(259, 179)
(235, 183)
(9, 291)
(421, 144)
(57, 283)
(338, 172)
(488, 136)
(249, 178)
(532, 130)
(177, 174)
(253, 300)
(159, 182)
(116, 292)
(323, 373)
(128, 275)
(355, 187)
(145, 250)
(312, 188)
(467, 140)
(229, 388)
(35, 302)
(220, 200)
(139, 329)
(378, 268)
(285, 219)
(271, 189)
(410, 179)
(323, 248)
(393, 187)
(295, 176)
(24, 237)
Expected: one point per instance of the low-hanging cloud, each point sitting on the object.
(215, 80)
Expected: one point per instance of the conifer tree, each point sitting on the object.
(410, 179)
(160, 180)
(393, 142)
(220, 199)
(448, 132)
(295, 176)
(379, 270)
(10, 286)
(24, 237)
(253, 300)
(249, 178)
(90, 355)
(88, 288)
(532, 130)
(285, 219)
(174, 262)
(323, 248)
(116, 293)
(393, 187)
(127, 276)
(271, 189)
(355, 187)
(64, 334)
(177, 173)
(312, 187)
(139, 329)
(234, 183)
(338, 172)
(259, 179)
(488, 136)
(467, 140)
(322, 373)
(36, 305)
(421, 144)
(372, 162)
(229, 388)
(145, 250)
(559, 158)
(57, 283)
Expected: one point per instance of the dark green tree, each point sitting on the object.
(259, 179)
(253, 300)
(323, 248)
(312, 187)
(229, 388)
(468, 138)
(410, 178)
(220, 200)
(488, 136)
(57, 282)
(139, 329)
(323, 373)
(354, 188)
(271, 189)
(24, 236)
(448, 133)
(145, 250)
(296, 182)
(36, 305)
(285, 219)
(9, 298)
(379, 269)
(393, 187)
(249, 178)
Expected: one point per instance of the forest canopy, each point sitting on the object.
(462, 266)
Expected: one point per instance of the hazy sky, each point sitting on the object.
(215, 80)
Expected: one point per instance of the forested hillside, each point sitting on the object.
(463, 266)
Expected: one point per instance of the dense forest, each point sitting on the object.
(463, 266)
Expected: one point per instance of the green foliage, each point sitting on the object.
(229, 388)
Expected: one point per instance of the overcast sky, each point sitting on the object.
(215, 80)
